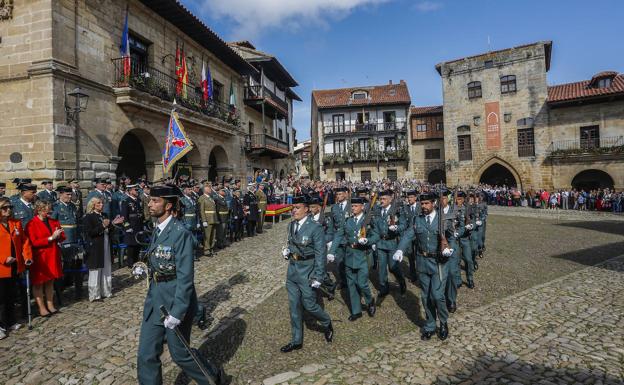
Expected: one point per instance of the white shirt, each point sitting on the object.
(431, 216)
(161, 226)
(357, 219)
(343, 204)
(446, 209)
(299, 223)
(384, 210)
(317, 217)
(26, 203)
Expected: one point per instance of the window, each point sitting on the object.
(363, 146)
(361, 122)
(439, 126)
(603, 83)
(339, 146)
(359, 95)
(525, 122)
(390, 144)
(217, 91)
(464, 148)
(138, 54)
(338, 123)
(590, 137)
(489, 64)
(526, 142)
(421, 127)
(432, 153)
(251, 127)
(474, 90)
(340, 175)
(508, 84)
(392, 175)
(365, 175)
(389, 118)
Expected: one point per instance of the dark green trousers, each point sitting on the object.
(432, 296)
(386, 262)
(357, 283)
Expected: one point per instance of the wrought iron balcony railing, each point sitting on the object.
(157, 83)
(365, 128)
(267, 142)
(258, 92)
(593, 146)
(367, 156)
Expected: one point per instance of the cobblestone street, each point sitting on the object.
(567, 329)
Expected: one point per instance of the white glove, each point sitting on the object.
(205, 224)
(171, 322)
(138, 271)
(479, 223)
(362, 241)
(374, 247)
(447, 252)
(456, 234)
(197, 226)
(329, 245)
(129, 231)
(315, 284)
(285, 252)
(393, 227)
(398, 256)
(331, 257)
(469, 226)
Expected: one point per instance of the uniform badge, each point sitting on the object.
(167, 253)
(305, 240)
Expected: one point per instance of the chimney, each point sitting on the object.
(402, 81)
(390, 81)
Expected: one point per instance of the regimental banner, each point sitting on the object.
(492, 125)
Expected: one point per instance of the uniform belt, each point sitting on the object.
(357, 246)
(189, 215)
(299, 257)
(69, 226)
(428, 255)
(162, 278)
(209, 212)
(388, 237)
(223, 212)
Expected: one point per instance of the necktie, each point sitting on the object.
(384, 212)
(156, 232)
(413, 210)
(428, 220)
(296, 227)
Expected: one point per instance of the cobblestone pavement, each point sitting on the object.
(556, 214)
(567, 331)
(96, 343)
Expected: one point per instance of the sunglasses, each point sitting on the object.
(7, 207)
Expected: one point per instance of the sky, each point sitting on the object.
(346, 43)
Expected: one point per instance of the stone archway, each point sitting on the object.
(217, 161)
(436, 176)
(498, 172)
(592, 179)
(138, 153)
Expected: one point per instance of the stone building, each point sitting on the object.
(302, 158)
(360, 133)
(50, 48)
(503, 124)
(427, 144)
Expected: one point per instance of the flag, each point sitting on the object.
(206, 83)
(232, 95)
(183, 78)
(124, 49)
(177, 143)
(178, 69)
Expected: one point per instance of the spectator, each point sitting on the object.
(15, 253)
(45, 234)
(97, 228)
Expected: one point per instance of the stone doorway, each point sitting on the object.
(138, 151)
(498, 175)
(592, 180)
(436, 176)
(217, 160)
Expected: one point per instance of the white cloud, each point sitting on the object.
(254, 16)
(427, 6)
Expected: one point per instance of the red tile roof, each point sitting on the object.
(429, 110)
(377, 95)
(583, 89)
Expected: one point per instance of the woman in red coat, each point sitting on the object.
(45, 234)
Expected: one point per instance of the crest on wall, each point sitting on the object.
(6, 9)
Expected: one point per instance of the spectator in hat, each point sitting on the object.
(48, 193)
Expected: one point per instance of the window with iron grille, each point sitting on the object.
(392, 175)
(474, 90)
(464, 147)
(508, 84)
(365, 175)
(526, 142)
(432, 153)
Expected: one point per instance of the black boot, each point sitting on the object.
(443, 332)
(329, 333)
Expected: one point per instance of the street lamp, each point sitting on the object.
(80, 100)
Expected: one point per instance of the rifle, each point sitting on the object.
(368, 217)
(443, 241)
(394, 206)
(322, 213)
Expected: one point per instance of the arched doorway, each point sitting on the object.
(498, 175)
(137, 150)
(592, 180)
(281, 174)
(436, 176)
(217, 159)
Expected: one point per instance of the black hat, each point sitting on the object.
(185, 185)
(340, 189)
(46, 181)
(108, 181)
(63, 189)
(443, 191)
(72, 180)
(461, 194)
(166, 191)
(386, 193)
(412, 193)
(358, 200)
(315, 200)
(99, 180)
(427, 197)
(300, 199)
(26, 187)
(362, 190)
(2, 184)
(16, 180)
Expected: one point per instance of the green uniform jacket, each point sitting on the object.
(309, 241)
(388, 240)
(328, 226)
(339, 216)
(347, 234)
(189, 212)
(171, 254)
(48, 196)
(66, 214)
(456, 217)
(207, 210)
(22, 212)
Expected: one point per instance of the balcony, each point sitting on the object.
(587, 149)
(150, 81)
(371, 156)
(266, 145)
(429, 134)
(257, 95)
(365, 129)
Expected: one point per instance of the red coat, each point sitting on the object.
(46, 255)
(21, 247)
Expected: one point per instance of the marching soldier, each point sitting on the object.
(340, 211)
(326, 222)
(133, 222)
(465, 239)
(356, 261)
(250, 204)
(388, 225)
(208, 217)
(171, 275)
(483, 211)
(23, 204)
(66, 213)
(101, 192)
(410, 212)
(453, 281)
(261, 198)
(47, 194)
(306, 269)
(431, 263)
(475, 234)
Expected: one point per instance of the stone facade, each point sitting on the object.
(50, 47)
(427, 144)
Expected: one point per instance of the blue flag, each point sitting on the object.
(177, 144)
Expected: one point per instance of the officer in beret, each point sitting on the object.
(132, 214)
(305, 254)
(23, 203)
(355, 260)
(171, 275)
(340, 211)
(410, 212)
(431, 263)
(47, 194)
(66, 213)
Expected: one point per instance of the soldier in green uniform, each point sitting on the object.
(475, 234)
(132, 214)
(47, 194)
(430, 263)
(23, 203)
(326, 221)
(305, 253)
(261, 198)
(65, 212)
(388, 225)
(189, 211)
(171, 275)
(356, 261)
(76, 197)
(340, 211)
(453, 280)
(465, 238)
(410, 211)
(208, 218)
(145, 197)
(483, 213)
(223, 217)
